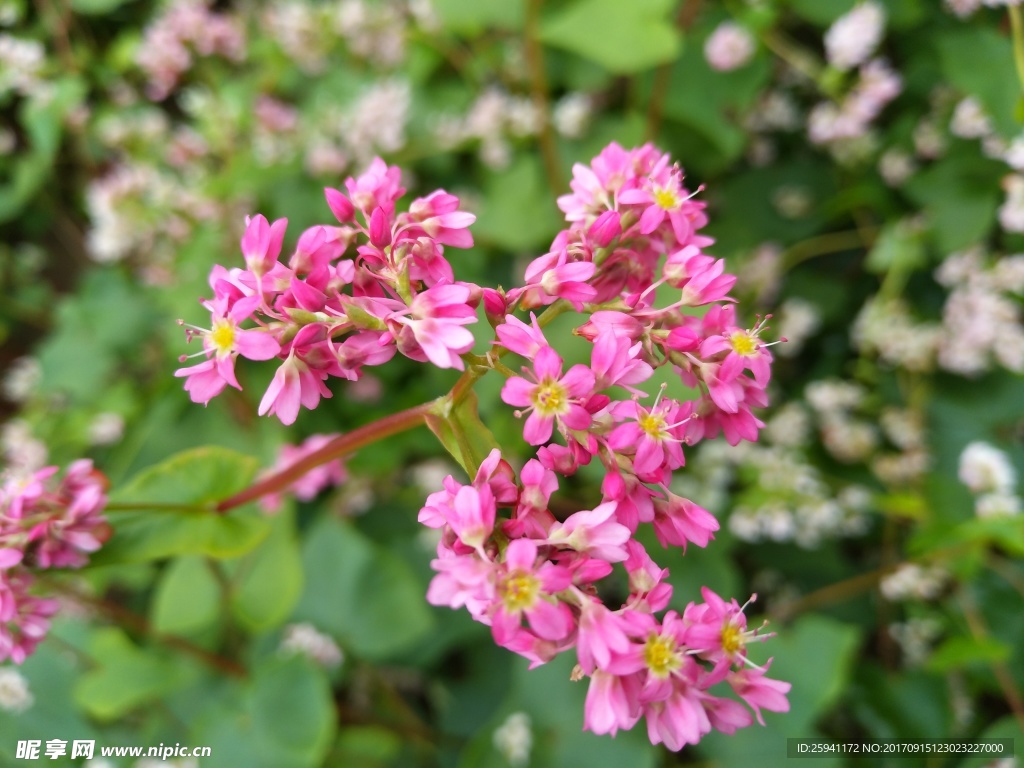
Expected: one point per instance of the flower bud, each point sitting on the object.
(340, 205)
(605, 228)
(380, 230)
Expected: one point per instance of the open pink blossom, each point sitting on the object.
(550, 397)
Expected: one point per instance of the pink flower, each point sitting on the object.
(472, 515)
(744, 348)
(24, 618)
(222, 344)
(612, 703)
(261, 243)
(294, 384)
(516, 336)
(527, 590)
(437, 317)
(438, 216)
(550, 397)
(702, 278)
(593, 532)
(377, 187)
(616, 362)
(654, 434)
(602, 635)
(760, 692)
(678, 521)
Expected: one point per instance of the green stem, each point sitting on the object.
(338, 447)
(1017, 25)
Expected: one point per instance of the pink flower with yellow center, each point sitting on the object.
(550, 396)
(222, 343)
(525, 589)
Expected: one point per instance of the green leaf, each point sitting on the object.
(41, 119)
(293, 718)
(125, 676)
(195, 479)
(712, 103)
(472, 17)
(624, 38)
(979, 61)
(959, 195)
(271, 578)
(187, 597)
(363, 594)
(959, 652)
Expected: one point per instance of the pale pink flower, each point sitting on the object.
(729, 47)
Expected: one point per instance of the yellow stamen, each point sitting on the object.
(744, 343)
(550, 398)
(223, 336)
(666, 198)
(653, 425)
(661, 656)
(519, 591)
(732, 639)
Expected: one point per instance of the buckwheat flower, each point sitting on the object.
(435, 320)
(970, 121)
(22, 377)
(305, 640)
(729, 47)
(997, 504)
(913, 581)
(550, 397)
(294, 384)
(514, 739)
(1011, 212)
(853, 37)
(896, 166)
(222, 344)
(15, 696)
(986, 469)
(526, 589)
(571, 114)
(106, 429)
(760, 692)
(963, 8)
(595, 532)
(24, 618)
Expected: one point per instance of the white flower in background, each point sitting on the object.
(20, 63)
(929, 141)
(970, 121)
(798, 320)
(853, 37)
(21, 379)
(915, 638)
(912, 581)
(571, 114)
(305, 640)
(997, 504)
(22, 452)
(1011, 212)
(514, 739)
(829, 395)
(14, 693)
(106, 429)
(729, 47)
(896, 166)
(963, 8)
(985, 469)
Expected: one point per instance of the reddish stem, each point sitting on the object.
(338, 447)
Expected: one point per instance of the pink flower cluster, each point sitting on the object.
(532, 577)
(165, 53)
(41, 527)
(352, 294)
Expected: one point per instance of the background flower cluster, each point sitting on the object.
(863, 173)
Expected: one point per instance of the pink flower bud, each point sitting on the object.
(340, 205)
(380, 231)
(605, 228)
